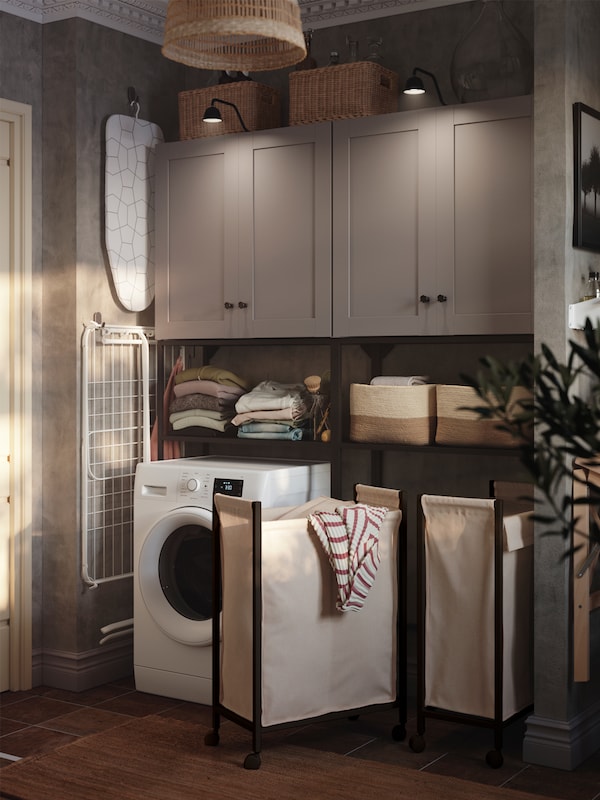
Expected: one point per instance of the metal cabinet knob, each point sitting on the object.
(424, 298)
(228, 306)
(241, 304)
(441, 298)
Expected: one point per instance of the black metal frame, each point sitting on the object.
(494, 757)
(253, 759)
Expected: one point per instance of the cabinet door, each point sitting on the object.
(285, 232)
(484, 175)
(383, 186)
(196, 238)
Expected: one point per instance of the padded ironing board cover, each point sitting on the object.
(129, 208)
(459, 613)
(315, 659)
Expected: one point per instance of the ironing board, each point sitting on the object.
(129, 208)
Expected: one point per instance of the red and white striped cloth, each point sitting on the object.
(350, 537)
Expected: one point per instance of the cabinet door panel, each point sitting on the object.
(285, 230)
(377, 170)
(196, 245)
(492, 289)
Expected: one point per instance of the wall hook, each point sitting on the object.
(134, 100)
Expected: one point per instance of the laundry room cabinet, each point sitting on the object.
(243, 235)
(414, 223)
(432, 222)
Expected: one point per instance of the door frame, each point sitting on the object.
(19, 116)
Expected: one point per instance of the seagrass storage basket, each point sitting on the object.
(343, 91)
(458, 424)
(398, 414)
(259, 106)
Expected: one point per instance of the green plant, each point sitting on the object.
(564, 412)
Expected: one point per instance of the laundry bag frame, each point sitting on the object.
(497, 722)
(253, 721)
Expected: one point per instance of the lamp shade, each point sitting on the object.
(246, 35)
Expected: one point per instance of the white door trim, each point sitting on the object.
(19, 116)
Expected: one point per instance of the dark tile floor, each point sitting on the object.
(42, 719)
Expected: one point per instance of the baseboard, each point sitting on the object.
(77, 672)
(559, 744)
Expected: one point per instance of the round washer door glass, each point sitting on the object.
(185, 571)
(174, 575)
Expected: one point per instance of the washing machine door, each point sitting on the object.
(175, 575)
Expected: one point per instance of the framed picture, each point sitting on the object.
(586, 140)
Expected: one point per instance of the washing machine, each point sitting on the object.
(172, 597)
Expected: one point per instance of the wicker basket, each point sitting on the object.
(259, 106)
(457, 424)
(399, 414)
(360, 89)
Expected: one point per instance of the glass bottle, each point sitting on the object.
(592, 289)
(352, 45)
(374, 47)
(308, 62)
(493, 59)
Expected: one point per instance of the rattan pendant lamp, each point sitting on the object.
(245, 35)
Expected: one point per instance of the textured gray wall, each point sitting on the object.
(567, 71)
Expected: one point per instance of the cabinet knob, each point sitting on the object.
(424, 298)
(241, 304)
(228, 306)
(441, 298)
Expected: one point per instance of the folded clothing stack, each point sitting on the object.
(205, 397)
(272, 410)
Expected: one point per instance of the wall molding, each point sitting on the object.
(77, 672)
(145, 18)
(562, 744)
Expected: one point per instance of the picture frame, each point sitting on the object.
(586, 150)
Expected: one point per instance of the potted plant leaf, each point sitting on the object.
(564, 411)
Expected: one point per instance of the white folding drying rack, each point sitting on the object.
(115, 403)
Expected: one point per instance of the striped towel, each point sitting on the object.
(350, 537)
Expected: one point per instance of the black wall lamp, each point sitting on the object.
(212, 113)
(414, 85)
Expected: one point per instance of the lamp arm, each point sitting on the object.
(435, 83)
(235, 108)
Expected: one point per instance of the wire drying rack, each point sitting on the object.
(116, 374)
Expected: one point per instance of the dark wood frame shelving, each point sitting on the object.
(376, 348)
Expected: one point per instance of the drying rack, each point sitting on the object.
(116, 373)
(252, 657)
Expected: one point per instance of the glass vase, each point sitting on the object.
(493, 59)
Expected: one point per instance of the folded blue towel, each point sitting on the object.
(295, 435)
(267, 427)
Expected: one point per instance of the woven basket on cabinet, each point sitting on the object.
(360, 89)
(259, 107)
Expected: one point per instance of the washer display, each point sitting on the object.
(172, 606)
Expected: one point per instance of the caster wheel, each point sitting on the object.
(399, 733)
(417, 743)
(252, 761)
(494, 759)
(211, 739)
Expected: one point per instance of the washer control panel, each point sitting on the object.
(200, 487)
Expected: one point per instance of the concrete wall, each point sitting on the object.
(565, 727)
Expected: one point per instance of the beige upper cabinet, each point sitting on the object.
(244, 236)
(432, 222)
